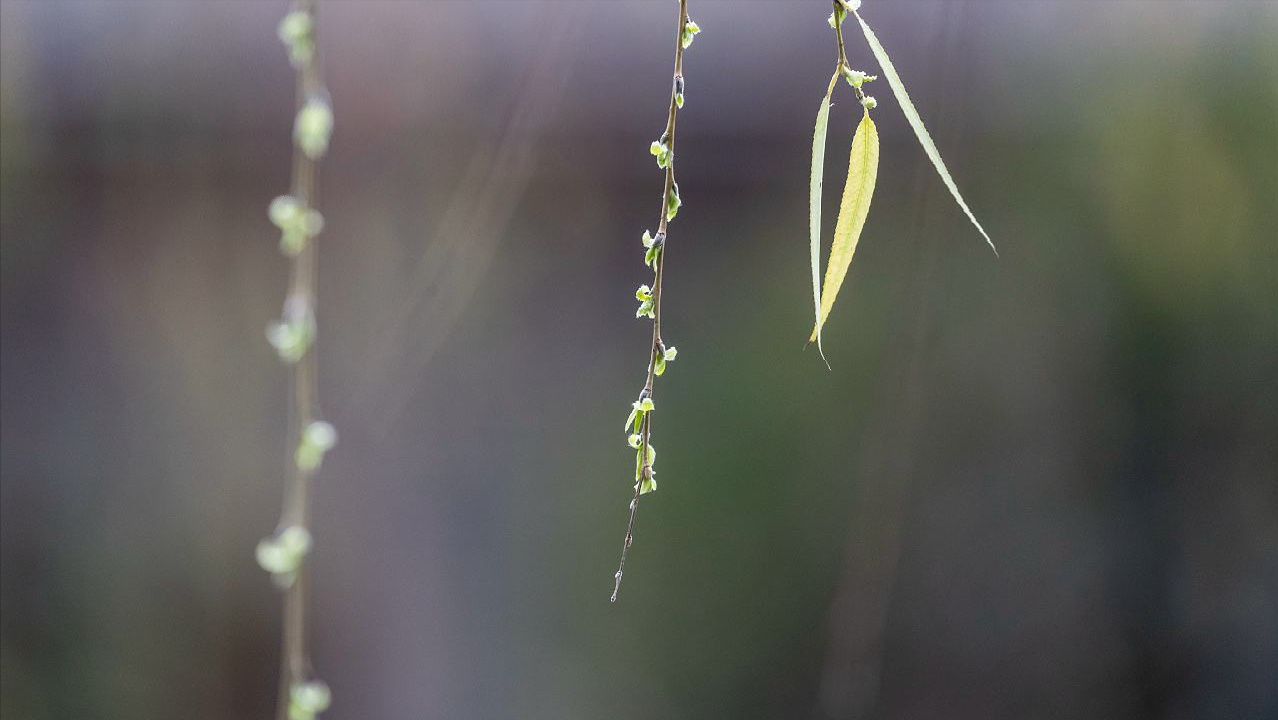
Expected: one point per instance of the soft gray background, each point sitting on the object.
(1040, 486)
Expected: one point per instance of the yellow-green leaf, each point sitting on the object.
(814, 205)
(863, 171)
(916, 122)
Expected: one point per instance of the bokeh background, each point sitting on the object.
(1035, 486)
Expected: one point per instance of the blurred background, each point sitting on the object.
(1035, 486)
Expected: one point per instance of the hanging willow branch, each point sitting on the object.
(639, 424)
(301, 696)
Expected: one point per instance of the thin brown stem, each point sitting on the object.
(645, 430)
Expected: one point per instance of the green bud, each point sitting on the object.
(282, 554)
(292, 336)
(661, 151)
(650, 258)
(647, 479)
(673, 202)
(321, 435)
(654, 245)
(313, 127)
(690, 31)
(645, 405)
(841, 8)
(647, 307)
(634, 440)
(670, 353)
(857, 78)
(317, 439)
(308, 699)
(297, 224)
(297, 32)
(285, 211)
(869, 102)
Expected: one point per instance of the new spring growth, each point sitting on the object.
(297, 223)
(313, 127)
(664, 355)
(645, 475)
(634, 426)
(856, 78)
(690, 31)
(673, 202)
(282, 554)
(292, 335)
(638, 409)
(639, 423)
(646, 306)
(841, 9)
(653, 252)
(308, 699)
(661, 151)
(317, 439)
(297, 32)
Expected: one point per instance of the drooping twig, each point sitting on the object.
(650, 298)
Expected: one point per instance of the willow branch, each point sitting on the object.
(284, 554)
(658, 347)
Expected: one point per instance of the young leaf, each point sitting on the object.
(814, 205)
(863, 170)
(916, 122)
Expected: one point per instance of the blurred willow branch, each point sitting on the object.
(283, 555)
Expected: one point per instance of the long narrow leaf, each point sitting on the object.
(916, 122)
(814, 206)
(863, 171)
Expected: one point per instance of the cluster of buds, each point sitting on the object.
(644, 474)
(282, 554)
(297, 223)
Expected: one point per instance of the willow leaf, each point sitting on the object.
(916, 122)
(814, 206)
(863, 171)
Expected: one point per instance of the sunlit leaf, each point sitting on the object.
(916, 122)
(863, 170)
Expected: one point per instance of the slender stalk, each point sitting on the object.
(658, 347)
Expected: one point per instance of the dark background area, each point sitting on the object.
(1035, 486)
